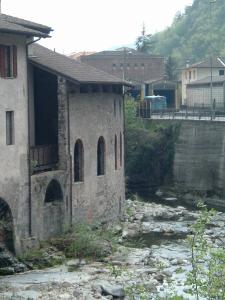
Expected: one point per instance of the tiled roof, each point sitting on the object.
(207, 80)
(69, 68)
(217, 62)
(131, 52)
(9, 24)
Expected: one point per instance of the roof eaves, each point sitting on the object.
(45, 68)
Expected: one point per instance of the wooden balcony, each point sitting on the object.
(43, 157)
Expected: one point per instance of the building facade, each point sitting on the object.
(201, 94)
(199, 71)
(128, 64)
(62, 139)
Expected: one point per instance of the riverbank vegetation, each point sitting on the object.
(149, 152)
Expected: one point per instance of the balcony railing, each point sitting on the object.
(43, 157)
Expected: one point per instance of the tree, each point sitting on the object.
(144, 42)
(171, 68)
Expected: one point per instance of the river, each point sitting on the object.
(153, 259)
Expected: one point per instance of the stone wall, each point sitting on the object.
(49, 218)
(199, 162)
(93, 115)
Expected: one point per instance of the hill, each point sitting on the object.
(194, 33)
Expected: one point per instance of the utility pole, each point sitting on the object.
(0, 6)
(211, 55)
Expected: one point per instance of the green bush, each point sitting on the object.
(149, 151)
(207, 277)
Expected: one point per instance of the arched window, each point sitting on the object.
(115, 152)
(121, 149)
(101, 156)
(78, 161)
(53, 192)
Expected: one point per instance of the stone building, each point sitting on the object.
(61, 142)
(129, 64)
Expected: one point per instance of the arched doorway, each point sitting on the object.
(53, 210)
(6, 226)
(53, 192)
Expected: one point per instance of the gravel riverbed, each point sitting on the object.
(152, 259)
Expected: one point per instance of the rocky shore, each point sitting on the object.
(151, 260)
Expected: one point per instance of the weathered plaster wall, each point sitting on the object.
(48, 219)
(92, 115)
(199, 162)
(14, 163)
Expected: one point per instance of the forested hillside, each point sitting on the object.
(192, 33)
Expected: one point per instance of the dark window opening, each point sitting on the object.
(95, 88)
(101, 156)
(121, 149)
(46, 108)
(115, 152)
(10, 135)
(8, 61)
(189, 74)
(221, 72)
(114, 107)
(84, 89)
(120, 107)
(6, 226)
(106, 88)
(78, 161)
(53, 192)
(117, 89)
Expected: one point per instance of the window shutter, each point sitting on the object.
(2, 61)
(14, 61)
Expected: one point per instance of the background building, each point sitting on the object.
(199, 71)
(128, 64)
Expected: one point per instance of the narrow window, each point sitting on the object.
(221, 72)
(189, 75)
(8, 61)
(120, 108)
(101, 156)
(121, 149)
(10, 128)
(194, 74)
(78, 161)
(114, 107)
(115, 152)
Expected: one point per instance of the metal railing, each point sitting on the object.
(43, 157)
(200, 112)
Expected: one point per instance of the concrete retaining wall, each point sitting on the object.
(199, 162)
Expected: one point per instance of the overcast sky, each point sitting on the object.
(94, 25)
